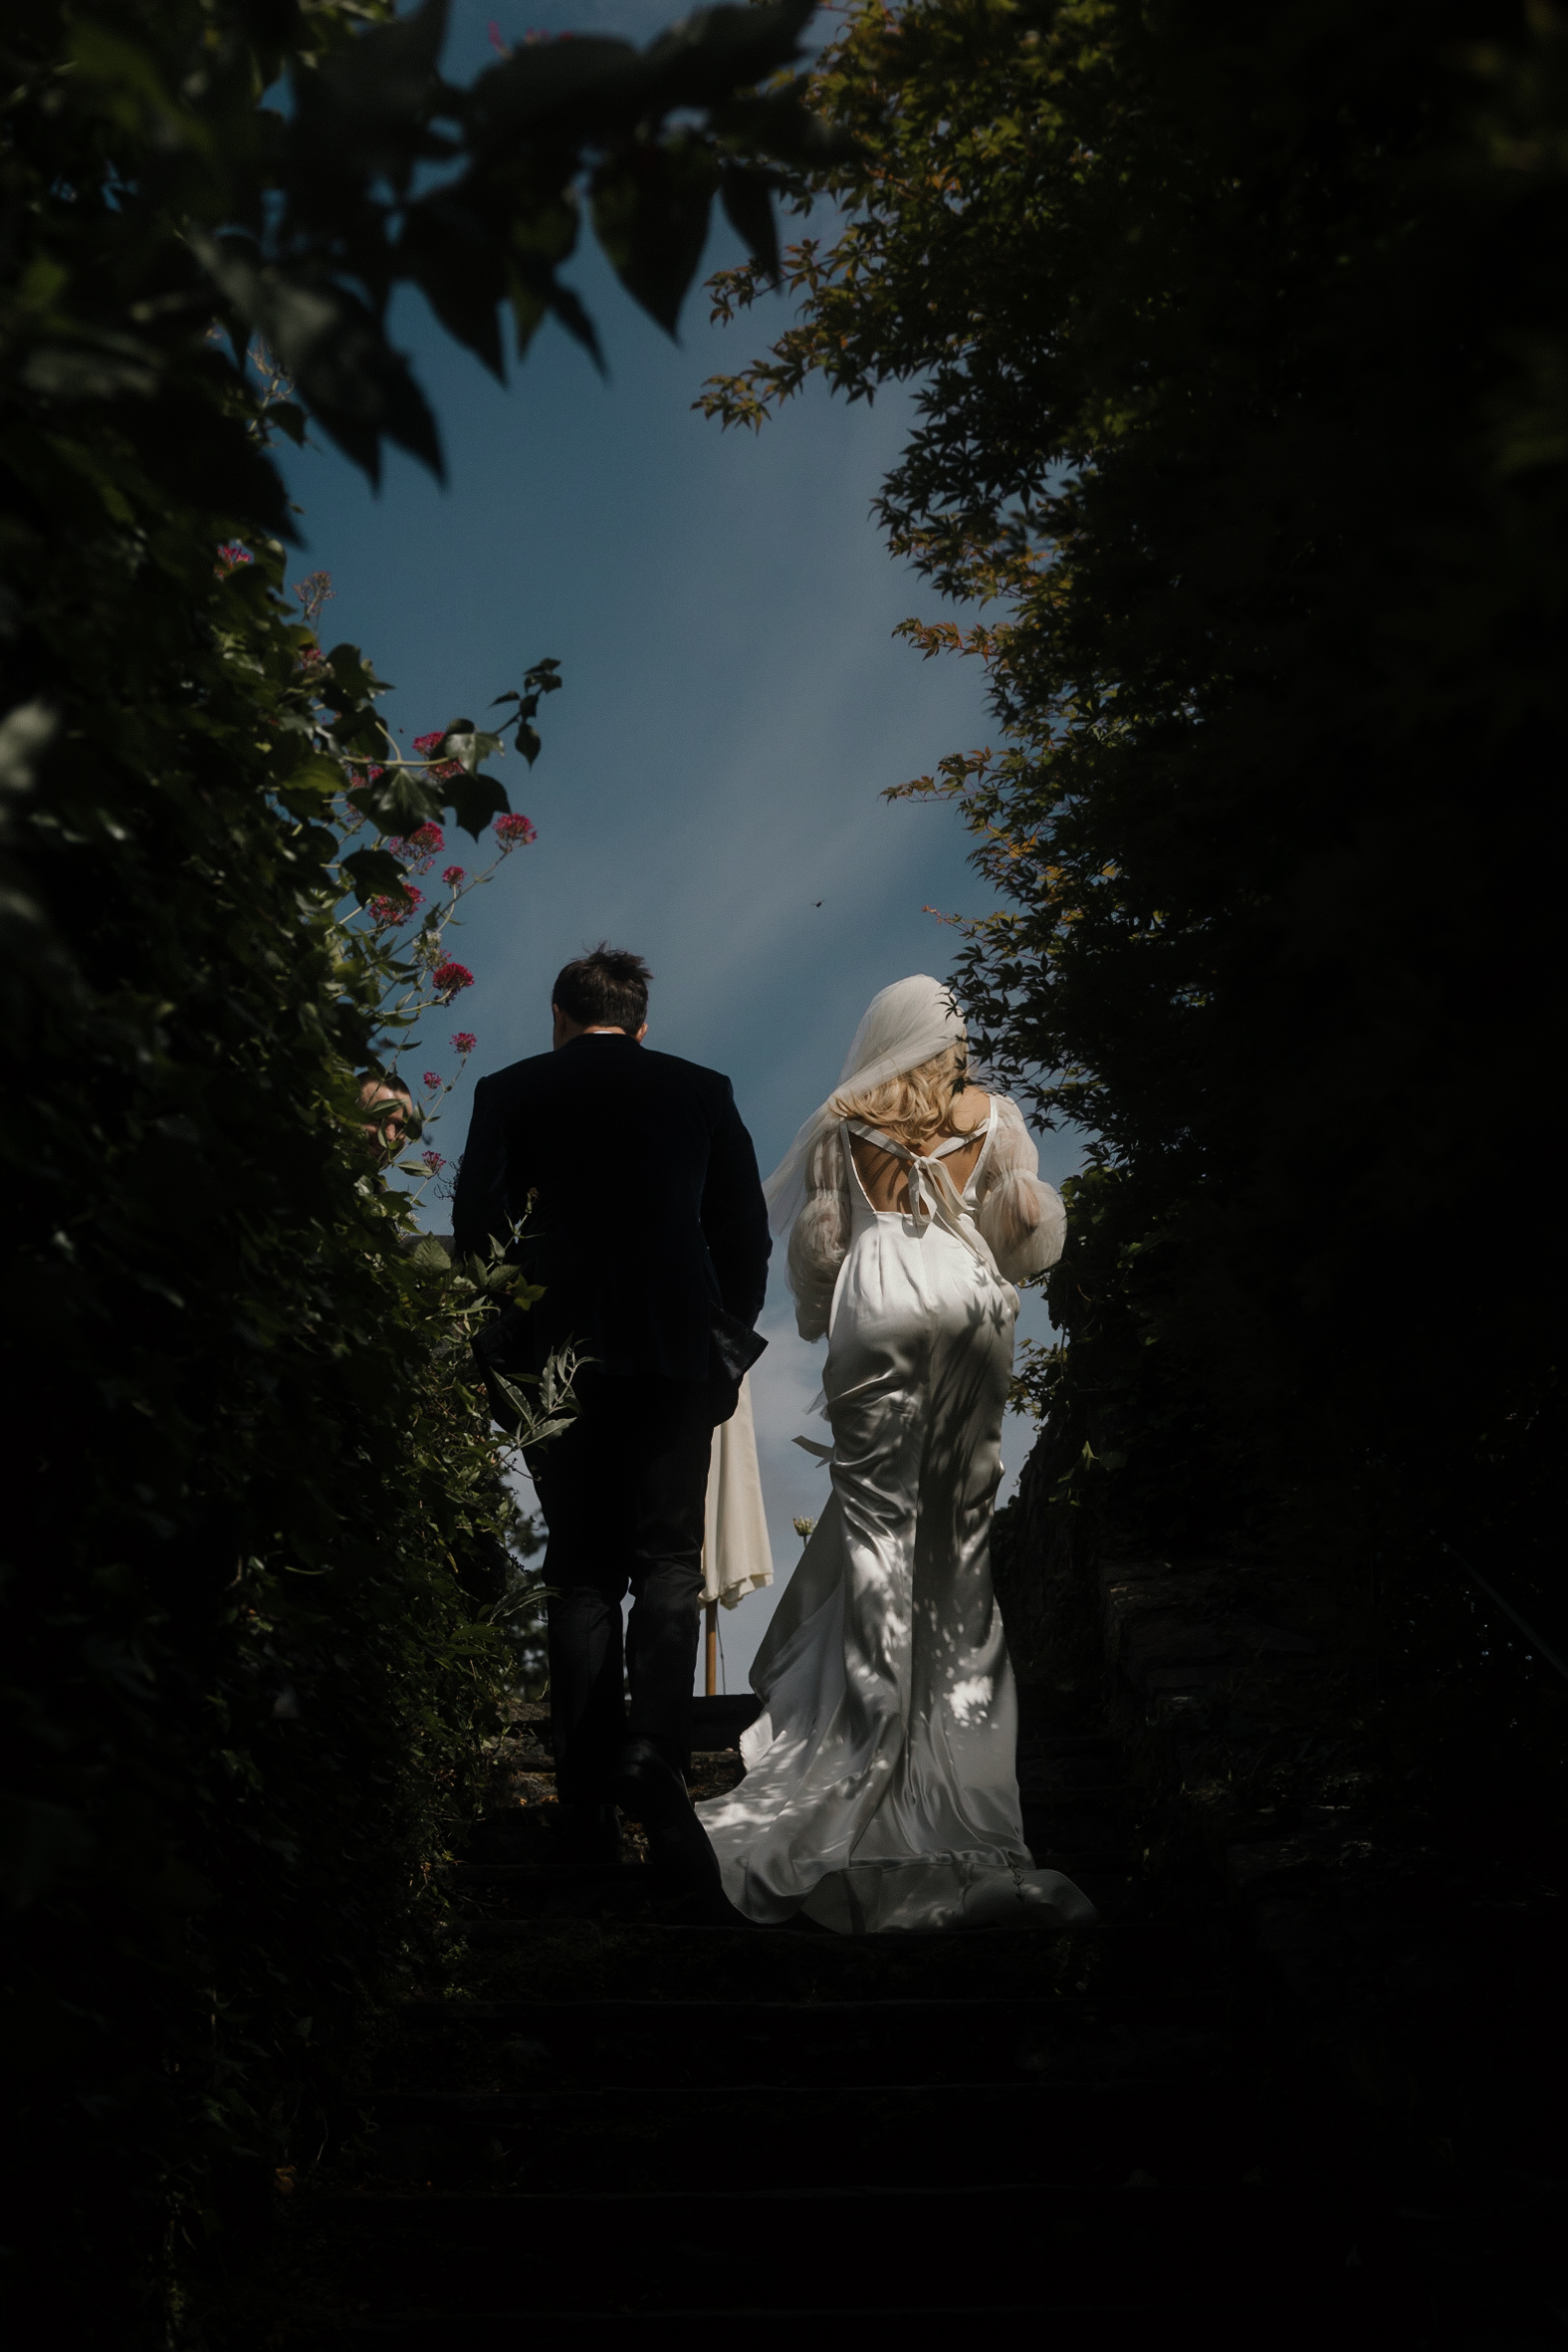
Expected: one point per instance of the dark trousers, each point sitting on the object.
(623, 1492)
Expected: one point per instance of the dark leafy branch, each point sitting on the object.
(540, 680)
(295, 220)
(260, 1568)
(1238, 347)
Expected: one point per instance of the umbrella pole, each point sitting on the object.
(711, 1613)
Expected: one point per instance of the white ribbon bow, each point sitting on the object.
(933, 1195)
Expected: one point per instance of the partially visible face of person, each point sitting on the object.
(386, 1115)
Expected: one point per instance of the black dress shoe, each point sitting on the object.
(653, 1792)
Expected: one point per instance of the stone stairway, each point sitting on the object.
(606, 2118)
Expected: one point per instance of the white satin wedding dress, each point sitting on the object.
(880, 1791)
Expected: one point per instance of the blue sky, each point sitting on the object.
(723, 609)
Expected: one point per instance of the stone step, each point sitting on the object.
(716, 1724)
(1044, 1789)
(565, 1954)
(1110, 1804)
(718, 2107)
(1065, 1783)
(531, 1889)
(544, 1929)
(544, 1876)
(1054, 1841)
(537, 1759)
(607, 2137)
(1089, 1827)
(1035, 1741)
(547, 1927)
(514, 1900)
(542, 2045)
(536, 1890)
(970, 2247)
(1125, 2327)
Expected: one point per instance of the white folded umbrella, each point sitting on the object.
(737, 1558)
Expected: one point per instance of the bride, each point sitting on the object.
(880, 1791)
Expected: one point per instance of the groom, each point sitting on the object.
(645, 1223)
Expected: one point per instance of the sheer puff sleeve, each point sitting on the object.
(819, 1237)
(1018, 1216)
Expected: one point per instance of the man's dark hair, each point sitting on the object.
(370, 1079)
(609, 988)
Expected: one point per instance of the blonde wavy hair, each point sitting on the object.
(913, 1106)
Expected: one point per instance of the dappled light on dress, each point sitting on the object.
(880, 1791)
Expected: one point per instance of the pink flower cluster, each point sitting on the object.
(530, 39)
(232, 556)
(427, 744)
(388, 912)
(420, 848)
(434, 1161)
(464, 1040)
(432, 1077)
(450, 978)
(513, 832)
(452, 875)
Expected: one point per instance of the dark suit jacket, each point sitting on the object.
(648, 1211)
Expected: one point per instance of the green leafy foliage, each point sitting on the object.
(1239, 345)
(256, 1599)
(260, 1594)
(253, 1649)
(544, 678)
(193, 195)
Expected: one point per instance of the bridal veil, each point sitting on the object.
(904, 1026)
